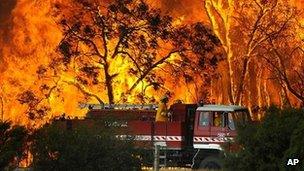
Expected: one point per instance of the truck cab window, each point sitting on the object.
(237, 117)
(231, 125)
(204, 119)
(217, 119)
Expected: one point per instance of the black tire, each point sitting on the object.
(211, 162)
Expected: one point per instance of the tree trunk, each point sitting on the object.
(109, 86)
(2, 110)
(230, 83)
(213, 9)
(287, 101)
(259, 85)
(266, 92)
(242, 80)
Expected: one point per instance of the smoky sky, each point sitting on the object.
(190, 9)
(6, 7)
(171, 5)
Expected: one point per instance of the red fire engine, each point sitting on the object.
(193, 136)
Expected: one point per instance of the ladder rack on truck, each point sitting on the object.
(119, 106)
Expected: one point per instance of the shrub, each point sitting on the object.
(296, 149)
(267, 145)
(82, 148)
(12, 143)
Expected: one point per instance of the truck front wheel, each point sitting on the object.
(211, 162)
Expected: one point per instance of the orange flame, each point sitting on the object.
(32, 39)
(33, 35)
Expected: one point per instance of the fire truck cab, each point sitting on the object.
(208, 133)
(215, 125)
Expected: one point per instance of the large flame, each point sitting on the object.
(30, 35)
(28, 47)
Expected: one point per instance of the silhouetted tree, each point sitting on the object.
(97, 40)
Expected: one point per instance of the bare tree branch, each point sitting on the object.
(86, 40)
(147, 71)
(282, 71)
(101, 25)
(132, 59)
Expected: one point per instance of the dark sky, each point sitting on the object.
(6, 7)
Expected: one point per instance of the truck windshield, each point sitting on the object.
(237, 117)
(223, 118)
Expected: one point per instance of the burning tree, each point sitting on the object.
(275, 25)
(125, 51)
(131, 47)
(251, 33)
(283, 54)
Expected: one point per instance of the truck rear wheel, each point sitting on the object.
(211, 163)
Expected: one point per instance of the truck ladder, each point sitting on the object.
(163, 156)
(119, 106)
(160, 149)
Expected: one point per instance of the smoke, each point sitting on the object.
(192, 11)
(6, 7)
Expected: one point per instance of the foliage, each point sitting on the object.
(268, 145)
(82, 147)
(102, 43)
(35, 109)
(296, 149)
(119, 52)
(12, 143)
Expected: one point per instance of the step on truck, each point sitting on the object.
(193, 137)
